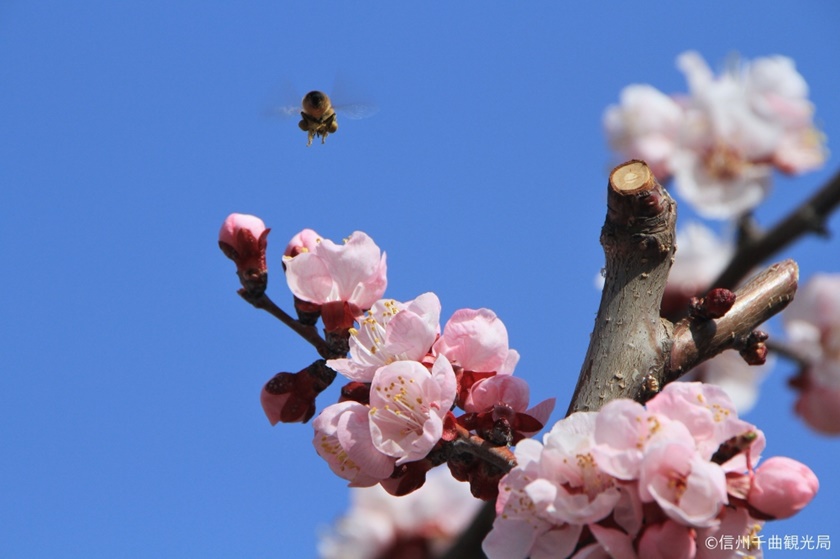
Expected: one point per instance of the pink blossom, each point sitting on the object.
(520, 530)
(706, 411)
(668, 540)
(645, 125)
(477, 340)
(819, 407)
(377, 522)
(621, 433)
(353, 273)
(390, 331)
(408, 404)
(571, 488)
(237, 224)
(736, 377)
(721, 141)
(243, 238)
(504, 398)
(780, 94)
(719, 183)
(343, 439)
(689, 489)
(781, 487)
(610, 543)
(812, 322)
(509, 390)
(305, 241)
(735, 526)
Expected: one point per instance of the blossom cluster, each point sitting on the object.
(406, 379)
(812, 322)
(722, 140)
(648, 482)
(411, 375)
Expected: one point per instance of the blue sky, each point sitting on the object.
(131, 370)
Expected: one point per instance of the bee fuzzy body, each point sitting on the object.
(318, 116)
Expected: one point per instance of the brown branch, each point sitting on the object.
(630, 340)
(756, 247)
(308, 333)
(499, 456)
(633, 352)
(696, 340)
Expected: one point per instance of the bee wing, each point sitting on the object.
(356, 111)
(287, 111)
(284, 101)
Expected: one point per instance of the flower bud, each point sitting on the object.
(290, 397)
(781, 487)
(243, 238)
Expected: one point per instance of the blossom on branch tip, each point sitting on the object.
(344, 279)
(243, 238)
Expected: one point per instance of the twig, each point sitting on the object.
(695, 341)
(308, 333)
(757, 247)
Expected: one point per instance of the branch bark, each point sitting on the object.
(633, 352)
(763, 296)
(630, 340)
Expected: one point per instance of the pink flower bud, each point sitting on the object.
(782, 486)
(243, 238)
(305, 241)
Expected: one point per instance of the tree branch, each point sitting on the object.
(756, 247)
(633, 352)
(696, 340)
(630, 340)
(308, 333)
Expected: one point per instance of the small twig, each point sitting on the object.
(762, 297)
(308, 333)
(499, 456)
(757, 247)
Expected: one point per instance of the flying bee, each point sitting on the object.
(319, 116)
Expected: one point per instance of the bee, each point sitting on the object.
(319, 116)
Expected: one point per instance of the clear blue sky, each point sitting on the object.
(130, 370)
